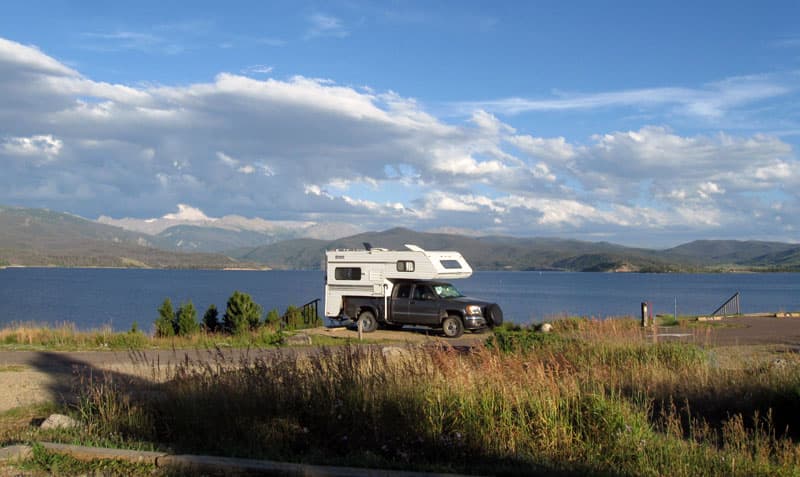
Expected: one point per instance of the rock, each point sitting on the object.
(299, 339)
(546, 328)
(393, 352)
(780, 363)
(59, 421)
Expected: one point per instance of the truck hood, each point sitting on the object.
(470, 301)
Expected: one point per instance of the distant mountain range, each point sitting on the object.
(509, 253)
(192, 231)
(37, 237)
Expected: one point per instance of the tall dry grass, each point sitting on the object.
(592, 398)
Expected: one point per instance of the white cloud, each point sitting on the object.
(29, 57)
(226, 159)
(552, 149)
(132, 40)
(42, 146)
(711, 101)
(258, 69)
(323, 25)
(312, 149)
(188, 213)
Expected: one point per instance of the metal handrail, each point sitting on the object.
(730, 307)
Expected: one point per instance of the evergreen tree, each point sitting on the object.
(211, 319)
(273, 319)
(164, 322)
(241, 313)
(186, 319)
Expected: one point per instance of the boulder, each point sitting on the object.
(59, 421)
(546, 328)
(298, 340)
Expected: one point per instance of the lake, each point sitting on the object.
(92, 298)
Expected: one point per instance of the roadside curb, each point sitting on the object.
(205, 463)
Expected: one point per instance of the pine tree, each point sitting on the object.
(186, 319)
(211, 319)
(164, 322)
(241, 313)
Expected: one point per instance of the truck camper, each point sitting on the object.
(391, 288)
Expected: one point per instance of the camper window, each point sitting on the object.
(450, 264)
(405, 266)
(347, 273)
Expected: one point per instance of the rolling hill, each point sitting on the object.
(485, 253)
(720, 252)
(38, 237)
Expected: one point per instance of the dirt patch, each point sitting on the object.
(410, 335)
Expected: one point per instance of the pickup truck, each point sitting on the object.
(421, 302)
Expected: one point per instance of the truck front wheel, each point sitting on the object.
(368, 322)
(453, 326)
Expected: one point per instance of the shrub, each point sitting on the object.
(211, 319)
(273, 319)
(186, 319)
(293, 317)
(514, 338)
(241, 313)
(164, 323)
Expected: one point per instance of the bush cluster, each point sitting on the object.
(242, 315)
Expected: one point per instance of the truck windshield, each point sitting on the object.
(447, 291)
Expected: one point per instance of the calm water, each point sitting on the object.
(95, 297)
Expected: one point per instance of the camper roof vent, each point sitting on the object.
(414, 248)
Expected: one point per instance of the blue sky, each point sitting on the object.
(634, 122)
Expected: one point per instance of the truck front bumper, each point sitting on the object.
(474, 322)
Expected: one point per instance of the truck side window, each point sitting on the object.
(404, 291)
(405, 266)
(347, 273)
(423, 293)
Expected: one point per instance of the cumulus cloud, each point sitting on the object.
(188, 213)
(311, 149)
(42, 146)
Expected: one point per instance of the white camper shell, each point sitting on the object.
(372, 272)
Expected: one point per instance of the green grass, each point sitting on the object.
(593, 397)
(61, 464)
(66, 337)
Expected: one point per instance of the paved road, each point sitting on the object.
(742, 331)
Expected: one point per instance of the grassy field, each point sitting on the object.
(592, 397)
(66, 337)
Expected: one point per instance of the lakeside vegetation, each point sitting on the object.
(595, 397)
(243, 325)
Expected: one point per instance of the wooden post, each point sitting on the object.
(360, 329)
(644, 314)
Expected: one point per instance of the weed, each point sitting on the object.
(60, 464)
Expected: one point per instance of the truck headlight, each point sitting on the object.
(473, 310)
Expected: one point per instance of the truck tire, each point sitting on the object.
(494, 316)
(453, 327)
(368, 321)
